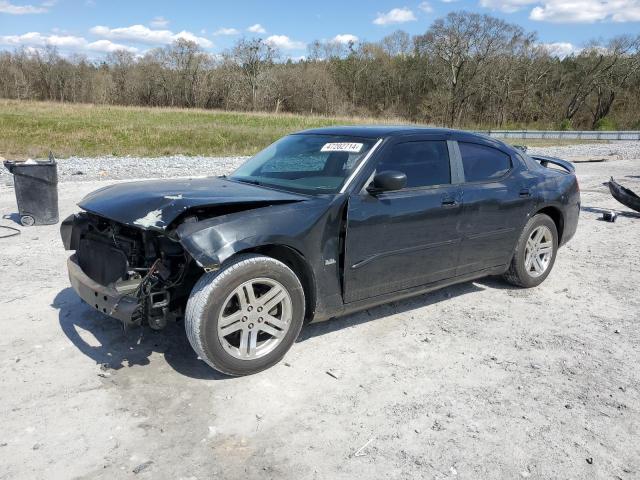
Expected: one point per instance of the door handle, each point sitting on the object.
(525, 192)
(448, 201)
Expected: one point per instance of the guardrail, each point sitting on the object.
(570, 134)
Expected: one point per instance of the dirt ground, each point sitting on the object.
(480, 380)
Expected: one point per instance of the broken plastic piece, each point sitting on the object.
(624, 195)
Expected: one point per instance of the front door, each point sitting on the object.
(406, 238)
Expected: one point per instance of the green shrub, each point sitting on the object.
(565, 125)
(605, 124)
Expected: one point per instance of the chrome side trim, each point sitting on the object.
(360, 166)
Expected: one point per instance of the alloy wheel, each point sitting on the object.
(538, 251)
(255, 318)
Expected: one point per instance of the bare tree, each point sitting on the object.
(467, 69)
(252, 57)
(466, 43)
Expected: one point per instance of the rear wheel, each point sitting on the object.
(245, 317)
(535, 253)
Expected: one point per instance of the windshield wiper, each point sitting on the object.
(246, 180)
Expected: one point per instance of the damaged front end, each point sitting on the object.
(141, 246)
(131, 274)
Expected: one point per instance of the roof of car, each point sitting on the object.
(378, 131)
(386, 131)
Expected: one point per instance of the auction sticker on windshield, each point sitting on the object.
(342, 147)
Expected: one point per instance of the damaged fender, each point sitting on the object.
(211, 242)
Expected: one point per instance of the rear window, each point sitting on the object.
(483, 163)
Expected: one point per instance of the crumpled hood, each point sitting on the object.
(154, 204)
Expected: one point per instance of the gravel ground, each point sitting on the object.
(77, 169)
(613, 150)
(479, 380)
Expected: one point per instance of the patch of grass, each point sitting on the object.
(31, 129)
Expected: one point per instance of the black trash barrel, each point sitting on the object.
(36, 186)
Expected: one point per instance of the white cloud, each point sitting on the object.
(395, 15)
(159, 22)
(572, 11)
(344, 38)
(560, 49)
(448, 1)
(425, 7)
(226, 31)
(11, 9)
(203, 42)
(107, 46)
(587, 11)
(257, 28)
(142, 34)
(35, 40)
(284, 43)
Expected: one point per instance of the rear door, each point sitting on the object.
(401, 239)
(497, 200)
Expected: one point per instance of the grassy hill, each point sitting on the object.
(31, 129)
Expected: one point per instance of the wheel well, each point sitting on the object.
(556, 215)
(296, 262)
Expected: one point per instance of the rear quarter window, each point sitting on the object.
(483, 163)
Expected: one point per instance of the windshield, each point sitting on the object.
(306, 163)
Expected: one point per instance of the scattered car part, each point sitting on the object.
(320, 224)
(609, 216)
(624, 195)
(36, 186)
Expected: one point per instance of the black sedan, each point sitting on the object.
(319, 224)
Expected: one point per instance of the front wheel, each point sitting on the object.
(535, 252)
(244, 317)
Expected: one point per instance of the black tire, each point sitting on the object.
(517, 273)
(208, 297)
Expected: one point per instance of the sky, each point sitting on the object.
(96, 27)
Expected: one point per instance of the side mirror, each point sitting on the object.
(387, 181)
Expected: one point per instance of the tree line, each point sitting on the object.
(466, 70)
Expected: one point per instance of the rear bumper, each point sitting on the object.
(571, 216)
(104, 299)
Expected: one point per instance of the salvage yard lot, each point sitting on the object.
(479, 380)
(32, 129)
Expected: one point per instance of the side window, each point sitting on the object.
(483, 163)
(425, 163)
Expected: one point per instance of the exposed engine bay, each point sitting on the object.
(149, 266)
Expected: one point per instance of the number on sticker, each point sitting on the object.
(342, 147)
